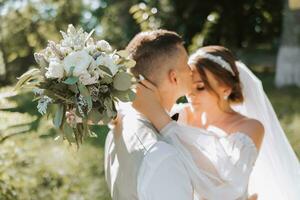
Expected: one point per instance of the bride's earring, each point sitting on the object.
(225, 97)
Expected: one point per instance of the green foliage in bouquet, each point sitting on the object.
(82, 76)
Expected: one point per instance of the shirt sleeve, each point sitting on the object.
(163, 176)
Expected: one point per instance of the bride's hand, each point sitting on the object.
(147, 95)
(148, 102)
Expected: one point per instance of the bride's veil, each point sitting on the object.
(276, 174)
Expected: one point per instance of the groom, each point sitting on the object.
(138, 165)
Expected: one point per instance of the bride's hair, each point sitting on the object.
(223, 75)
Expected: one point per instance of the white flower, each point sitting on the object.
(90, 46)
(65, 50)
(104, 46)
(41, 60)
(43, 104)
(78, 59)
(92, 75)
(48, 54)
(74, 38)
(87, 79)
(94, 70)
(55, 69)
(77, 47)
(109, 61)
(71, 29)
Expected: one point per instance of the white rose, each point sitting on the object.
(78, 47)
(104, 45)
(108, 61)
(55, 69)
(80, 60)
(87, 79)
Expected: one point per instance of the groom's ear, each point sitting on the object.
(172, 76)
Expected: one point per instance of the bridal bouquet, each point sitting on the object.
(80, 75)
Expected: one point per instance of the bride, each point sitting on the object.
(229, 102)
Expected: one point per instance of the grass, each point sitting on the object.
(35, 166)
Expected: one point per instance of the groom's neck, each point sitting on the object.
(167, 97)
(167, 102)
(167, 106)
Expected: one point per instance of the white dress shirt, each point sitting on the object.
(139, 166)
(163, 176)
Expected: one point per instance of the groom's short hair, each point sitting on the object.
(152, 50)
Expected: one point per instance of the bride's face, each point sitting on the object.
(200, 96)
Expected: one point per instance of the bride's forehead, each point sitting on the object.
(196, 75)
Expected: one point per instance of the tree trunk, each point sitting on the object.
(288, 59)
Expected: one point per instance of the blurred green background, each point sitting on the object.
(33, 165)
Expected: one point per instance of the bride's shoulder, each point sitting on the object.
(253, 128)
(252, 125)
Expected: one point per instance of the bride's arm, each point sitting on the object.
(147, 102)
(186, 140)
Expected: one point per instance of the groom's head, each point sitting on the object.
(162, 59)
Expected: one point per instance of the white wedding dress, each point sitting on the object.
(227, 166)
(220, 163)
